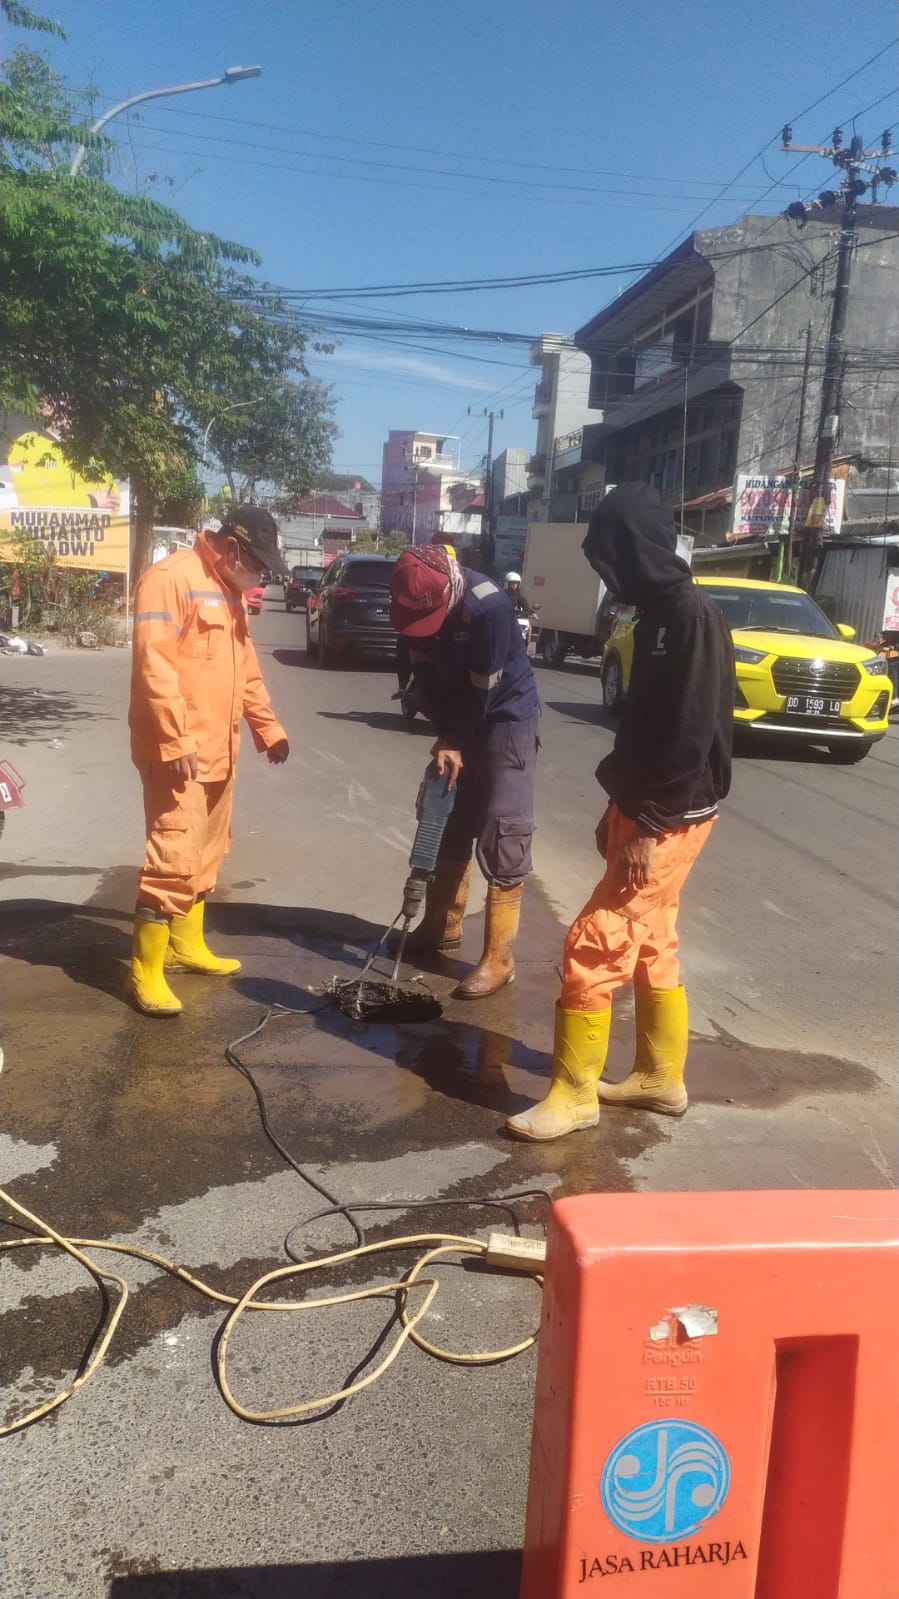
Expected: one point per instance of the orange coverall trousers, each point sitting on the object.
(188, 837)
(625, 933)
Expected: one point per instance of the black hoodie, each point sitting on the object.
(671, 761)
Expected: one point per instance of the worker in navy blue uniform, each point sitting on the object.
(475, 683)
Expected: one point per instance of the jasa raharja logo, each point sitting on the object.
(664, 1480)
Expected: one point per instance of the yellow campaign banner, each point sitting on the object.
(76, 522)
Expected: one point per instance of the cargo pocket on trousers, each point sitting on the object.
(513, 848)
(171, 850)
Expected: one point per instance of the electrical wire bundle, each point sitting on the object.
(418, 1280)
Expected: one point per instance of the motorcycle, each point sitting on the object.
(11, 786)
(526, 622)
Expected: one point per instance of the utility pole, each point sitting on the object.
(852, 163)
(414, 471)
(487, 518)
(797, 464)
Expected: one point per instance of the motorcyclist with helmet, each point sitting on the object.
(520, 604)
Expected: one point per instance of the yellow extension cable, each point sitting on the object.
(446, 1243)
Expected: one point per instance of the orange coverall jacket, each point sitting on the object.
(194, 669)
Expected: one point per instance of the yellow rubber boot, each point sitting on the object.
(496, 966)
(579, 1055)
(149, 989)
(657, 1080)
(187, 947)
(440, 929)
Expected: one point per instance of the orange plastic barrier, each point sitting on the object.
(717, 1412)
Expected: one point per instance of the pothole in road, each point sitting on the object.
(386, 1002)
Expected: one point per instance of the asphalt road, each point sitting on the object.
(144, 1485)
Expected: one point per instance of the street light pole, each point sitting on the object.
(230, 75)
(239, 405)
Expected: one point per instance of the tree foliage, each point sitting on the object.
(279, 437)
(393, 543)
(127, 330)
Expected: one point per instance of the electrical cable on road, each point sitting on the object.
(495, 1252)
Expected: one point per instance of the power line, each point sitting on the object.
(797, 117)
(529, 280)
(451, 155)
(402, 183)
(395, 166)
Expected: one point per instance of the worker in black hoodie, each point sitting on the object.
(669, 768)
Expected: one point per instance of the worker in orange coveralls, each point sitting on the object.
(194, 675)
(669, 767)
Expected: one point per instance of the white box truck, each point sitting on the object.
(575, 616)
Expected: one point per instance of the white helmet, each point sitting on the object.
(512, 577)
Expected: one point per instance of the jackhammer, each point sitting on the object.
(433, 809)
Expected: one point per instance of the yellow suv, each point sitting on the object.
(797, 672)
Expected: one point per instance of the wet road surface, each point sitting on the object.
(145, 1484)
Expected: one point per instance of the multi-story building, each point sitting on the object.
(419, 470)
(510, 476)
(561, 407)
(354, 490)
(318, 518)
(697, 368)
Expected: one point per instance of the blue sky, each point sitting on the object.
(392, 141)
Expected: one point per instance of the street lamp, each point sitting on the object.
(239, 405)
(230, 75)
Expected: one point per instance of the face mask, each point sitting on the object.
(241, 578)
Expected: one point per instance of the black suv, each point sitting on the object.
(350, 614)
(303, 581)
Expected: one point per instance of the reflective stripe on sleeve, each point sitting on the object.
(156, 616)
(482, 680)
(481, 590)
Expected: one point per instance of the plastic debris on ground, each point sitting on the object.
(12, 644)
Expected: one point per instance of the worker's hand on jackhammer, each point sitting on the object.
(278, 753)
(635, 861)
(447, 760)
(185, 768)
(602, 835)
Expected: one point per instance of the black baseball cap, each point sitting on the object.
(256, 528)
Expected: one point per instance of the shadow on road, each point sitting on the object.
(787, 751)
(37, 713)
(78, 939)
(460, 1058)
(584, 711)
(294, 658)
(435, 1576)
(381, 721)
(572, 667)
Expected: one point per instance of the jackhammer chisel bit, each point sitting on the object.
(434, 806)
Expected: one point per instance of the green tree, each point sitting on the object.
(394, 542)
(278, 437)
(123, 327)
(182, 504)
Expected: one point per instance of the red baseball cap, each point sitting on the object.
(420, 590)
